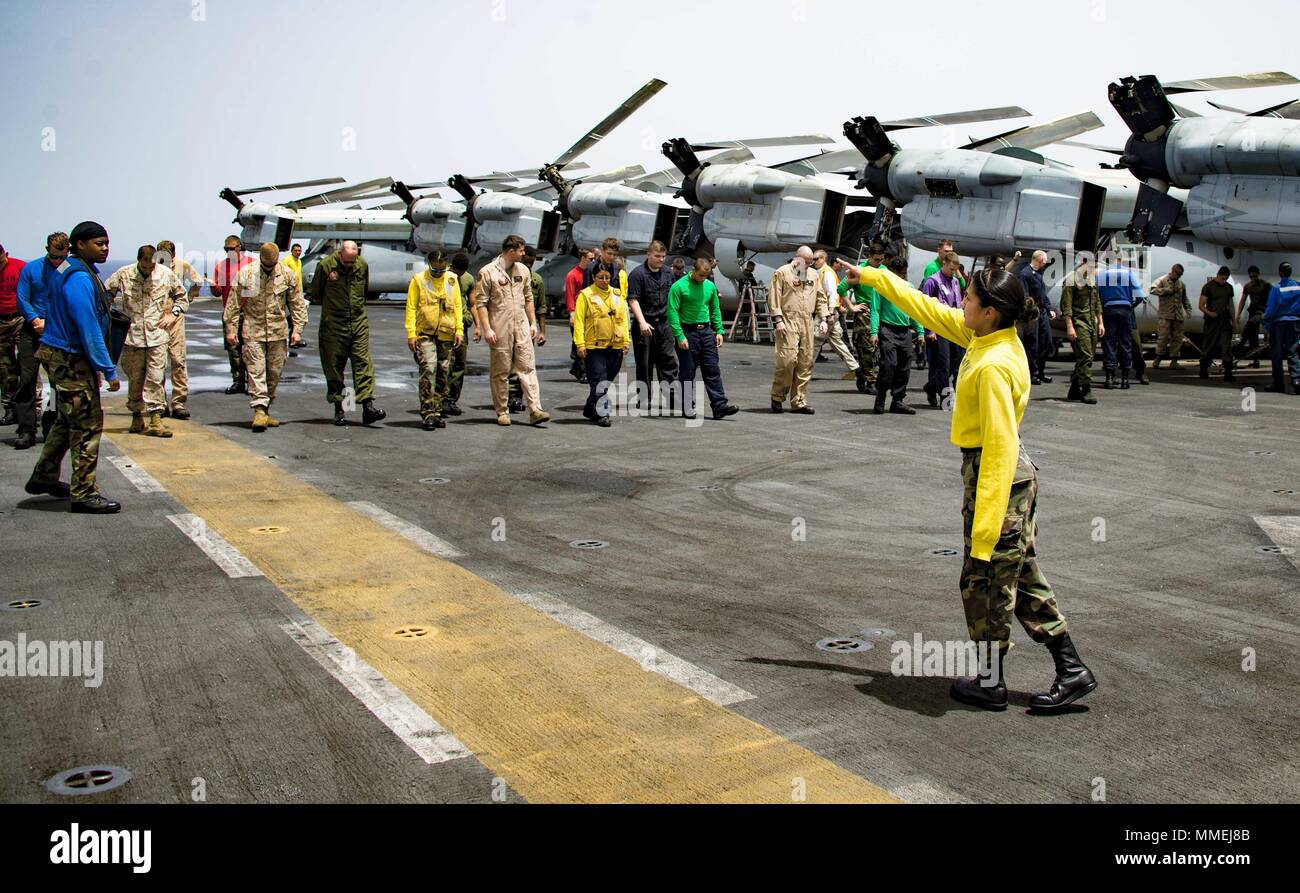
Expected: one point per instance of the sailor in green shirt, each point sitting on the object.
(893, 334)
(861, 306)
(695, 316)
(933, 267)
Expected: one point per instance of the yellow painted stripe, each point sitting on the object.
(560, 717)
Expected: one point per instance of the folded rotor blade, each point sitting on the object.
(1231, 82)
(280, 187)
(766, 142)
(1040, 134)
(612, 120)
(971, 117)
(340, 195)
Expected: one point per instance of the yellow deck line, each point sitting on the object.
(560, 717)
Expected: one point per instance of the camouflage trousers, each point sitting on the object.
(79, 423)
(434, 359)
(870, 362)
(144, 368)
(1010, 582)
(263, 363)
(451, 381)
(1169, 338)
(177, 369)
(1085, 348)
(10, 329)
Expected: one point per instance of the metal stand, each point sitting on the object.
(752, 317)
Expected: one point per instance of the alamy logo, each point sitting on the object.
(947, 659)
(77, 847)
(54, 659)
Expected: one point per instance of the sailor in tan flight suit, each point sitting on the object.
(797, 294)
(503, 312)
(260, 293)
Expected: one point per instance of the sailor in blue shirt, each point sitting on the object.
(74, 350)
(34, 286)
(1120, 290)
(1282, 317)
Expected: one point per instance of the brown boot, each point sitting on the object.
(272, 422)
(155, 428)
(260, 420)
(137, 424)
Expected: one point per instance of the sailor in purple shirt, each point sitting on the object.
(942, 356)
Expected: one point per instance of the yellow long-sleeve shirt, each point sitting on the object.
(600, 319)
(992, 393)
(433, 307)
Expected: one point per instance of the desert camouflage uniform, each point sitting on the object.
(1010, 582)
(258, 304)
(190, 280)
(144, 358)
(1173, 311)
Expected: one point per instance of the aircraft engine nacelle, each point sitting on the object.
(768, 210)
(600, 211)
(439, 225)
(501, 214)
(993, 204)
(261, 222)
(1244, 176)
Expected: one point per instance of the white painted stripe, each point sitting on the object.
(417, 729)
(226, 556)
(1283, 531)
(418, 535)
(142, 480)
(652, 659)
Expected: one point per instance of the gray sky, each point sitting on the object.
(155, 105)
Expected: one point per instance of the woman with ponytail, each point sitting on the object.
(1000, 574)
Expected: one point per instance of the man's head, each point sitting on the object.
(89, 242)
(460, 263)
(144, 260)
(701, 270)
(609, 251)
(585, 257)
(876, 254)
(945, 245)
(296, 250)
(166, 251)
(1039, 260)
(1221, 277)
(56, 248)
(949, 262)
(1086, 264)
(530, 256)
(679, 266)
(1176, 272)
(819, 259)
(1284, 270)
(803, 257)
(233, 244)
(512, 249)
(1253, 273)
(269, 255)
(898, 266)
(349, 251)
(655, 256)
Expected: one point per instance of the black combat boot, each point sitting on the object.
(879, 408)
(1073, 679)
(861, 378)
(96, 505)
(931, 396)
(340, 418)
(1123, 381)
(1076, 392)
(9, 419)
(976, 691)
(1109, 383)
(371, 413)
(26, 440)
(1088, 398)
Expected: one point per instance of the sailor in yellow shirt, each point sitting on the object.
(435, 328)
(1000, 575)
(602, 335)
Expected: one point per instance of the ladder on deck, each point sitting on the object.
(752, 318)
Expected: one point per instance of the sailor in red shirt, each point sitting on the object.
(223, 278)
(11, 327)
(572, 286)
